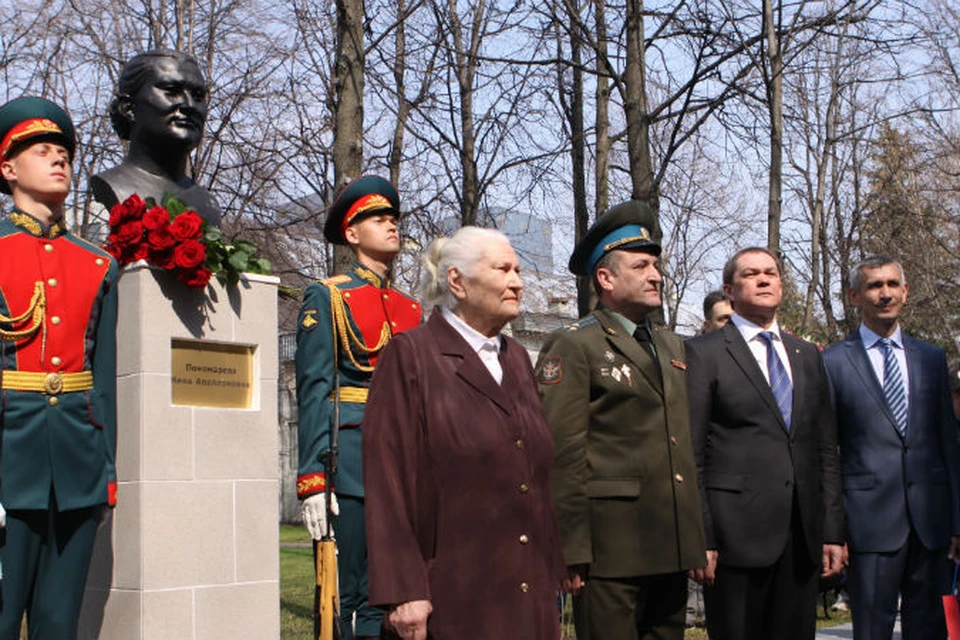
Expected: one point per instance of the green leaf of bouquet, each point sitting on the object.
(246, 246)
(260, 265)
(175, 207)
(213, 234)
(239, 260)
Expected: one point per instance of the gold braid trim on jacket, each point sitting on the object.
(343, 330)
(38, 311)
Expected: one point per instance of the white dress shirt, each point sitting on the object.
(487, 348)
(875, 354)
(758, 346)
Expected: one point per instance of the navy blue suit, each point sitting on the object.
(900, 493)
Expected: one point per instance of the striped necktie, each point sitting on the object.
(893, 386)
(779, 379)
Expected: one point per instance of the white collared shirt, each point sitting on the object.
(487, 348)
(758, 346)
(875, 354)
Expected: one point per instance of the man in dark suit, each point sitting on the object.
(899, 460)
(766, 450)
(615, 394)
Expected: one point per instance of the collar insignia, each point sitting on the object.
(33, 226)
(369, 276)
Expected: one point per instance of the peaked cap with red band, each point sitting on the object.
(363, 196)
(32, 119)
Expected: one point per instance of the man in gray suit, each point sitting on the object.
(899, 461)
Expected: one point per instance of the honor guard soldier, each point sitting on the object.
(344, 323)
(614, 389)
(58, 313)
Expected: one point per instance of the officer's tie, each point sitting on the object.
(642, 335)
(893, 386)
(779, 379)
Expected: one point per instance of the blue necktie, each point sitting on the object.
(779, 379)
(893, 386)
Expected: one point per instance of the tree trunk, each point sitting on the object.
(578, 154)
(602, 117)
(775, 107)
(403, 107)
(466, 63)
(635, 105)
(348, 111)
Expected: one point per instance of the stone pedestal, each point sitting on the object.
(191, 551)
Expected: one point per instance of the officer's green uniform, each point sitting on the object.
(344, 323)
(624, 477)
(58, 312)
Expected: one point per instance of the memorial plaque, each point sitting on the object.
(211, 374)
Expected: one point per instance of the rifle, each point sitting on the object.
(326, 598)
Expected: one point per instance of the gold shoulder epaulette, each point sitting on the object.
(338, 279)
(405, 294)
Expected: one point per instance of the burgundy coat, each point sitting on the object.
(457, 476)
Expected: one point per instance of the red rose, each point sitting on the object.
(130, 209)
(161, 239)
(128, 233)
(115, 251)
(156, 218)
(141, 252)
(195, 278)
(189, 254)
(162, 259)
(187, 226)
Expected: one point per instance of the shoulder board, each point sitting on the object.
(86, 244)
(335, 280)
(582, 323)
(404, 294)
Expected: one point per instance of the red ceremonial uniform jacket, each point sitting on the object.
(58, 378)
(342, 321)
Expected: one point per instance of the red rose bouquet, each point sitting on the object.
(176, 239)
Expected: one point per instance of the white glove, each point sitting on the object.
(314, 513)
(3, 517)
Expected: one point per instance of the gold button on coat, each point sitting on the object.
(55, 320)
(524, 488)
(56, 361)
(524, 539)
(524, 587)
(52, 282)
(53, 401)
(679, 478)
(48, 248)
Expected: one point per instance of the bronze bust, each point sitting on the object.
(161, 108)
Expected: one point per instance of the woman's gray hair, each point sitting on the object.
(462, 252)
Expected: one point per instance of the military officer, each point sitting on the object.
(344, 323)
(624, 479)
(58, 312)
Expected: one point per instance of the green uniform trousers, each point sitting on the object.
(352, 569)
(640, 608)
(45, 558)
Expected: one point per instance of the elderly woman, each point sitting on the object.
(462, 538)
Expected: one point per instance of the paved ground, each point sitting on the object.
(846, 631)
